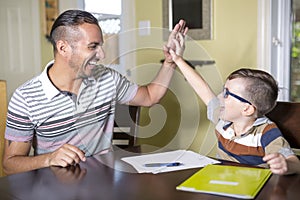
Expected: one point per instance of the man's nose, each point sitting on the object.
(100, 52)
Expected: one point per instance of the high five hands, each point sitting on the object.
(176, 41)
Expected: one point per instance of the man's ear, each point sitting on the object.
(62, 47)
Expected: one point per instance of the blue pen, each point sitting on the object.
(171, 164)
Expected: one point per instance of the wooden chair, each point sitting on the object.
(3, 111)
(287, 117)
(126, 125)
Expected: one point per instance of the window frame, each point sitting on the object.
(274, 42)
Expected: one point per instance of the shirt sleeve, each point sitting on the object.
(273, 142)
(19, 127)
(213, 110)
(126, 90)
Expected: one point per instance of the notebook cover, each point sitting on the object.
(233, 181)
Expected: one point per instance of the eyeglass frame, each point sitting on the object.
(226, 92)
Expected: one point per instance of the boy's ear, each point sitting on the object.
(249, 109)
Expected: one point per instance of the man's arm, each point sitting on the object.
(16, 157)
(151, 94)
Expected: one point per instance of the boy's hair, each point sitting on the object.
(261, 88)
(66, 25)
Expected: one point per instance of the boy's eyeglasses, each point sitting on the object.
(226, 93)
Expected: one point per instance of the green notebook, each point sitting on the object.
(233, 181)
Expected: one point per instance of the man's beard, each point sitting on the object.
(90, 67)
(82, 69)
(93, 72)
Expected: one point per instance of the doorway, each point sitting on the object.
(20, 42)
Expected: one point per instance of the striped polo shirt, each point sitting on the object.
(40, 113)
(249, 148)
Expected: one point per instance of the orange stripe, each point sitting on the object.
(239, 149)
(269, 127)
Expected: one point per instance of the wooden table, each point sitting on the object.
(106, 177)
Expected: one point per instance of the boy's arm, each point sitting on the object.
(293, 164)
(197, 82)
(280, 165)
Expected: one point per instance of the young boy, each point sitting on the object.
(244, 134)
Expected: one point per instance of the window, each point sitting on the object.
(103, 6)
(274, 42)
(108, 14)
(282, 44)
(109, 17)
(295, 52)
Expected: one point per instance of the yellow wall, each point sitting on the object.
(233, 46)
(235, 30)
(234, 43)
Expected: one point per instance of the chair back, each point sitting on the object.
(287, 117)
(3, 111)
(126, 125)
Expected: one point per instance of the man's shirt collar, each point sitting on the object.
(50, 90)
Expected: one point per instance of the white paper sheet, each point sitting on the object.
(189, 159)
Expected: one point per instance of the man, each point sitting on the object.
(67, 112)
